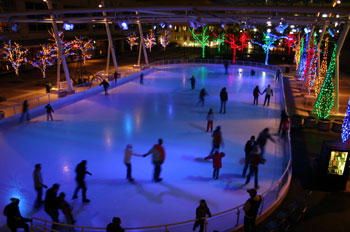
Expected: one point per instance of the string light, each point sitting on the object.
(313, 67)
(202, 40)
(232, 41)
(269, 40)
(132, 40)
(220, 40)
(81, 47)
(244, 38)
(345, 130)
(298, 50)
(44, 58)
(164, 41)
(150, 40)
(16, 55)
(323, 68)
(66, 46)
(325, 99)
(290, 41)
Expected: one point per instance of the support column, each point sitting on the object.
(59, 45)
(319, 51)
(340, 44)
(142, 43)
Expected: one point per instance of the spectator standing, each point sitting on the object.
(66, 208)
(25, 112)
(105, 85)
(201, 213)
(115, 75)
(226, 64)
(255, 159)
(158, 157)
(269, 93)
(223, 99)
(49, 111)
(248, 148)
(38, 185)
(251, 208)
(128, 152)
(285, 127)
(193, 82)
(217, 163)
(217, 140)
(14, 217)
(80, 178)
(256, 93)
(284, 116)
(210, 119)
(262, 140)
(115, 225)
(52, 203)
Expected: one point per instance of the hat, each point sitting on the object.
(13, 199)
(252, 191)
(129, 146)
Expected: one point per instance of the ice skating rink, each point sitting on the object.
(98, 128)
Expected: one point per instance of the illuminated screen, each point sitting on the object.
(337, 162)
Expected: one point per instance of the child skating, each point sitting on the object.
(128, 152)
(217, 163)
(210, 119)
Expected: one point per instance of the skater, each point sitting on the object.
(252, 72)
(202, 94)
(81, 172)
(217, 140)
(114, 226)
(223, 99)
(14, 217)
(49, 112)
(66, 209)
(128, 152)
(25, 112)
(38, 185)
(285, 127)
(115, 75)
(248, 148)
(251, 208)
(226, 64)
(158, 157)
(255, 159)
(269, 93)
(210, 118)
(105, 86)
(256, 93)
(193, 82)
(217, 164)
(141, 78)
(262, 139)
(278, 75)
(52, 203)
(284, 116)
(201, 213)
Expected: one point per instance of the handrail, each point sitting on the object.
(279, 183)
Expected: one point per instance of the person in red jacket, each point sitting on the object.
(158, 157)
(217, 164)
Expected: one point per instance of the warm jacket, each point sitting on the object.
(262, 138)
(211, 117)
(105, 84)
(49, 109)
(81, 172)
(249, 147)
(217, 138)
(12, 213)
(251, 206)
(285, 124)
(51, 200)
(255, 159)
(268, 91)
(202, 212)
(112, 227)
(158, 153)
(216, 157)
(128, 152)
(256, 92)
(38, 181)
(223, 95)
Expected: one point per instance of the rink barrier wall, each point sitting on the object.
(271, 198)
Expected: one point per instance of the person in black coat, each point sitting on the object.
(141, 78)
(202, 94)
(49, 111)
(52, 203)
(105, 86)
(114, 226)
(250, 144)
(201, 213)
(25, 112)
(223, 98)
(193, 82)
(284, 117)
(262, 139)
(80, 178)
(14, 217)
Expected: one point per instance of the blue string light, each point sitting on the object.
(345, 131)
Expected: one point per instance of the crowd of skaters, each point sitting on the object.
(254, 151)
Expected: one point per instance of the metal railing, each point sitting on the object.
(232, 218)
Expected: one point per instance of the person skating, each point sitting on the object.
(251, 208)
(217, 163)
(80, 178)
(38, 185)
(202, 94)
(128, 152)
(285, 127)
(115, 225)
(278, 75)
(256, 93)
(202, 212)
(105, 85)
(269, 93)
(262, 139)
(252, 72)
(284, 116)
(217, 140)
(52, 203)
(210, 119)
(49, 111)
(25, 112)
(115, 75)
(14, 217)
(223, 99)
(193, 82)
(66, 208)
(226, 64)
(141, 78)
(158, 157)
(248, 148)
(255, 159)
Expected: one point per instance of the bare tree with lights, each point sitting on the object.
(44, 58)
(16, 55)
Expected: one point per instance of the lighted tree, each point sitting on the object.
(232, 41)
(312, 72)
(244, 38)
(132, 40)
(82, 48)
(66, 46)
(150, 40)
(269, 40)
(310, 56)
(164, 40)
(220, 40)
(323, 68)
(201, 38)
(299, 52)
(325, 99)
(44, 58)
(15, 54)
(290, 40)
(345, 131)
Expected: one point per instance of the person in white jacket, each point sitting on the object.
(128, 152)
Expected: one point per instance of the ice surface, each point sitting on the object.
(98, 128)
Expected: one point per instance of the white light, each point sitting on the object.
(324, 15)
(292, 26)
(255, 29)
(124, 25)
(338, 1)
(336, 24)
(223, 26)
(337, 16)
(337, 31)
(170, 26)
(100, 5)
(269, 30)
(154, 27)
(162, 25)
(320, 31)
(306, 30)
(68, 26)
(268, 23)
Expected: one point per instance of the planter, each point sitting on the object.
(309, 122)
(297, 121)
(324, 125)
(337, 125)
